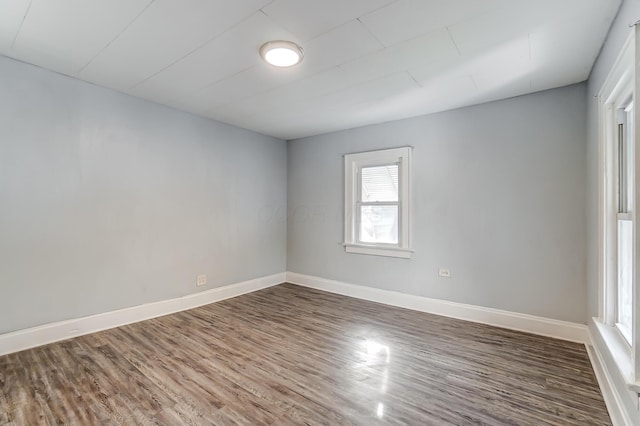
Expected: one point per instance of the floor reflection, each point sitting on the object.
(376, 358)
(380, 410)
(375, 351)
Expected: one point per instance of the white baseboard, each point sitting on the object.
(53, 332)
(50, 333)
(515, 321)
(615, 406)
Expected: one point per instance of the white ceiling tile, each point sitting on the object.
(12, 13)
(451, 91)
(320, 84)
(515, 87)
(310, 18)
(325, 121)
(49, 35)
(514, 62)
(503, 71)
(113, 74)
(405, 19)
(433, 50)
(428, 72)
(234, 51)
(551, 77)
(343, 105)
(409, 101)
(338, 46)
(240, 86)
(167, 31)
(571, 62)
(562, 43)
(392, 85)
(500, 25)
(284, 97)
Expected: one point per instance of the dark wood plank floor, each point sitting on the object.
(291, 355)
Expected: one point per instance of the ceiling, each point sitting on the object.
(366, 61)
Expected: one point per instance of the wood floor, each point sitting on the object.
(291, 355)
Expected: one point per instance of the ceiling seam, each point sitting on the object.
(203, 44)
(284, 27)
(266, 91)
(399, 43)
(381, 7)
(413, 78)
(26, 12)
(453, 41)
(357, 18)
(384, 46)
(211, 84)
(301, 79)
(475, 83)
(116, 37)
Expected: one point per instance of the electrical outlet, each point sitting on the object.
(201, 280)
(444, 273)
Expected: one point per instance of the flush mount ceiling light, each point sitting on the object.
(281, 53)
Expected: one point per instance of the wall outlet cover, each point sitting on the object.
(445, 273)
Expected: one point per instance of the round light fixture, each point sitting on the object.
(281, 53)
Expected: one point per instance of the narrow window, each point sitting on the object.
(377, 202)
(624, 302)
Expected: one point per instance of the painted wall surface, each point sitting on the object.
(620, 30)
(108, 201)
(498, 198)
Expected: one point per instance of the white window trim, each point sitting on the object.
(352, 163)
(620, 82)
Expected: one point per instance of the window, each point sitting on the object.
(617, 322)
(623, 305)
(377, 202)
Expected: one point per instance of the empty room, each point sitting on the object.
(319, 212)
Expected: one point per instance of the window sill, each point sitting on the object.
(619, 351)
(378, 251)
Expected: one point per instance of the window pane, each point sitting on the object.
(379, 183)
(625, 161)
(629, 153)
(625, 290)
(379, 224)
(622, 170)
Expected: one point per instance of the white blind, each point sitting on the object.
(380, 183)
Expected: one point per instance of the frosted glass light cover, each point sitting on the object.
(281, 53)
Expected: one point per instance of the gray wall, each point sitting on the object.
(620, 31)
(498, 198)
(107, 201)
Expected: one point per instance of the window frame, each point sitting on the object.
(621, 105)
(353, 164)
(620, 85)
